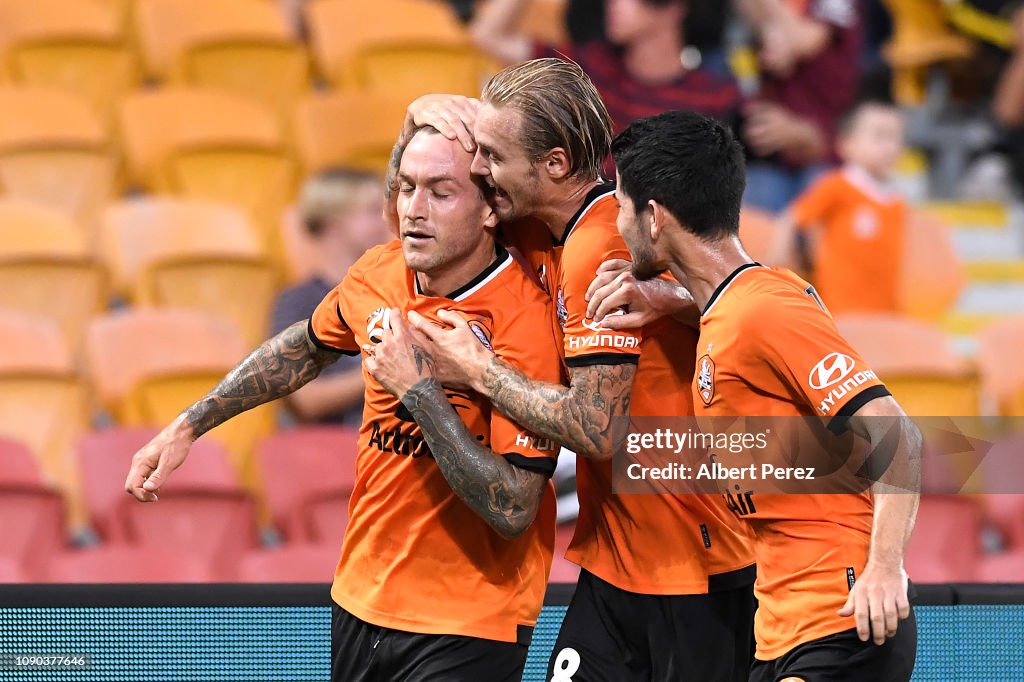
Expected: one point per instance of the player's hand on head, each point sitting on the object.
(616, 299)
(401, 359)
(460, 357)
(153, 464)
(453, 115)
(878, 602)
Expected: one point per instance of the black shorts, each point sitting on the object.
(844, 658)
(611, 635)
(361, 652)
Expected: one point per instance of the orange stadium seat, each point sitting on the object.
(404, 48)
(78, 47)
(351, 129)
(291, 563)
(209, 144)
(46, 268)
(147, 365)
(932, 273)
(240, 46)
(1000, 364)
(304, 467)
(916, 362)
(42, 403)
(128, 565)
(54, 150)
(945, 546)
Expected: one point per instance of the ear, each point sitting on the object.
(490, 217)
(659, 219)
(556, 163)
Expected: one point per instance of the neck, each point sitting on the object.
(703, 266)
(556, 214)
(655, 59)
(456, 275)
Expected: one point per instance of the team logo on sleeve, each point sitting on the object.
(832, 369)
(481, 333)
(560, 310)
(706, 379)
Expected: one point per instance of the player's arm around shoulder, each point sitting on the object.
(281, 365)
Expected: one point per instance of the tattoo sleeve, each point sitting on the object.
(506, 497)
(579, 417)
(278, 367)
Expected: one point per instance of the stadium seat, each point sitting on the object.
(77, 47)
(47, 268)
(932, 274)
(42, 403)
(945, 546)
(11, 571)
(325, 516)
(306, 470)
(182, 356)
(916, 362)
(1001, 368)
(137, 232)
(1005, 567)
(350, 129)
(291, 563)
(403, 47)
(105, 458)
(239, 46)
(563, 570)
(209, 144)
(1002, 475)
(54, 151)
(122, 564)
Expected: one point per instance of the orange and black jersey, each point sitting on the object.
(415, 557)
(768, 348)
(647, 544)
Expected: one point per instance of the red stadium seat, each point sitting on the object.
(105, 458)
(10, 571)
(20, 467)
(563, 571)
(1007, 567)
(33, 527)
(291, 564)
(308, 474)
(1002, 473)
(127, 565)
(945, 546)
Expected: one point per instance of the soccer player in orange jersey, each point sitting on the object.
(833, 595)
(451, 523)
(664, 593)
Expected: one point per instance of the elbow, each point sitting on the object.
(512, 528)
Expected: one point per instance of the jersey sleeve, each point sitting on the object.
(529, 345)
(327, 327)
(816, 204)
(800, 343)
(585, 343)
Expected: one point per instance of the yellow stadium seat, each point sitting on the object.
(917, 364)
(350, 129)
(239, 46)
(402, 47)
(150, 364)
(47, 269)
(137, 232)
(54, 151)
(932, 274)
(1002, 369)
(43, 404)
(77, 47)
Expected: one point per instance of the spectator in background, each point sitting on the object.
(644, 68)
(808, 59)
(340, 211)
(856, 221)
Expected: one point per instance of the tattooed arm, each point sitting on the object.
(505, 496)
(278, 367)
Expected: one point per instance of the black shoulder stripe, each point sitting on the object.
(540, 465)
(323, 346)
(603, 359)
(838, 423)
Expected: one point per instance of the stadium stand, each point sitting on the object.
(292, 563)
(128, 565)
(33, 514)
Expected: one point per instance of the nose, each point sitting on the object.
(479, 165)
(416, 206)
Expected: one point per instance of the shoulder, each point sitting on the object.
(595, 234)
(387, 255)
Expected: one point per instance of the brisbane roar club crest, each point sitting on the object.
(482, 333)
(560, 309)
(706, 379)
(376, 323)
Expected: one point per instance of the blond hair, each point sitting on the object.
(331, 193)
(560, 107)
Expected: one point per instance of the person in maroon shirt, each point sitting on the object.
(645, 68)
(808, 59)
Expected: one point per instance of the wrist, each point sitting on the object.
(181, 429)
(483, 381)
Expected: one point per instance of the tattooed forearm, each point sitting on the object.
(278, 367)
(578, 417)
(505, 496)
